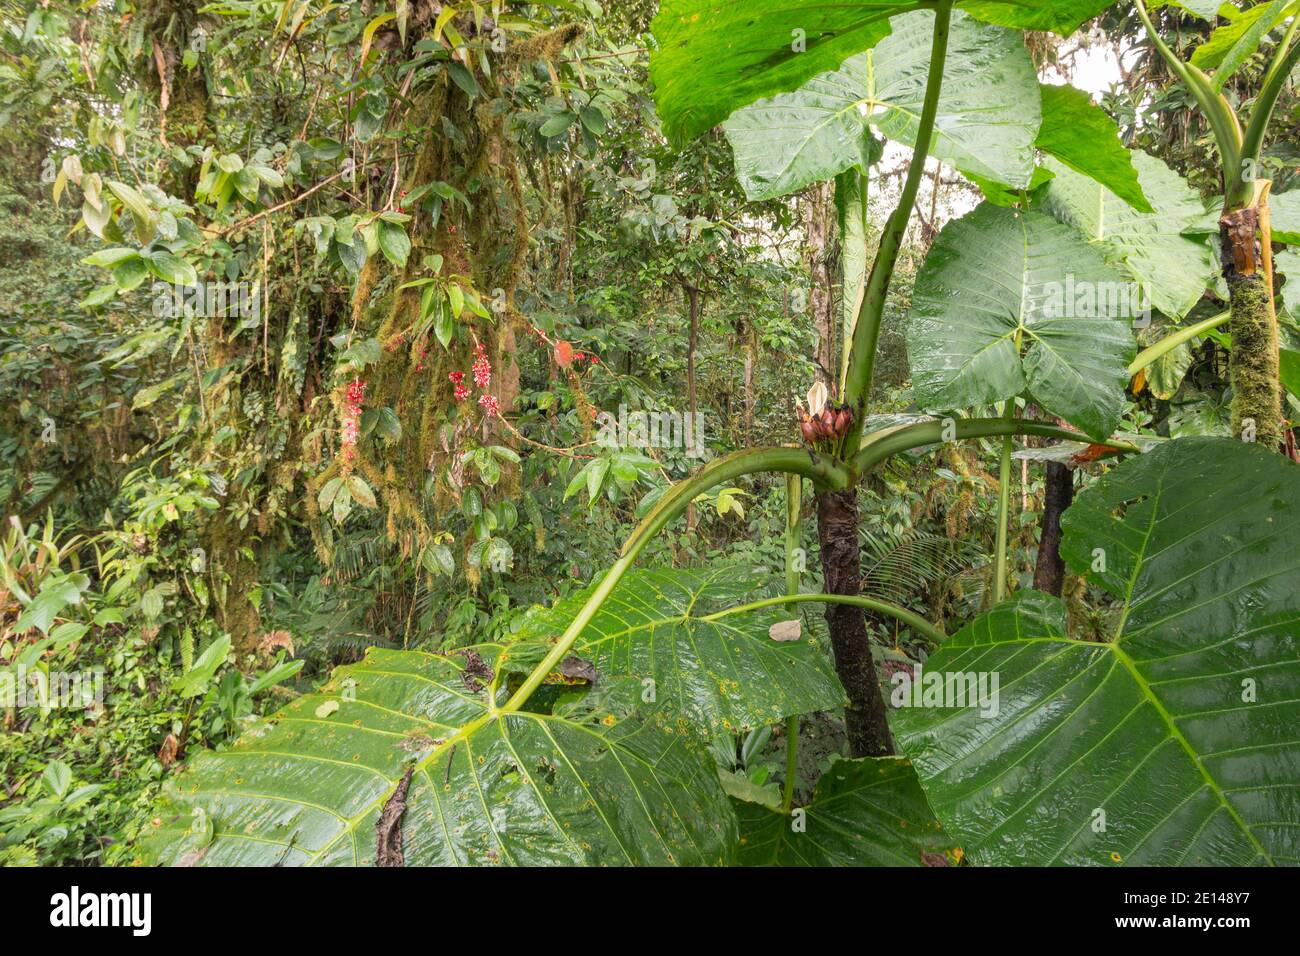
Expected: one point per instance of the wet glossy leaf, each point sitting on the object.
(1174, 268)
(1008, 301)
(1177, 739)
(726, 674)
(987, 121)
(607, 779)
(868, 812)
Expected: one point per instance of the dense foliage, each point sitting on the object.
(430, 429)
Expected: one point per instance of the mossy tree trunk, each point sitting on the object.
(1245, 246)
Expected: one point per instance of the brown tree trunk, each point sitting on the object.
(864, 717)
(751, 362)
(1049, 571)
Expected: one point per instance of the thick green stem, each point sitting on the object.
(1223, 121)
(671, 505)
(866, 334)
(1149, 356)
(851, 201)
(791, 762)
(1004, 519)
(901, 614)
(793, 508)
(905, 438)
(1284, 61)
(793, 531)
(793, 461)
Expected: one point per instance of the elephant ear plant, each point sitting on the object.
(1246, 223)
(584, 740)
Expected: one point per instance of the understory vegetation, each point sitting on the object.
(678, 433)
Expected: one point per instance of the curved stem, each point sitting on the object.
(897, 440)
(1285, 60)
(793, 529)
(1004, 518)
(793, 507)
(1150, 356)
(866, 334)
(902, 614)
(792, 461)
(674, 502)
(1223, 121)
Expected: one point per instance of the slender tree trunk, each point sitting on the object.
(1049, 572)
(751, 361)
(864, 717)
(692, 339)
(1246, 248)
(817, 231)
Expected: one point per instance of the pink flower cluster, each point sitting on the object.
(482, 371)
(482, 368)
(352, 419)
(458, 379)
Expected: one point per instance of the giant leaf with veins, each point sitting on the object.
(714, 56)
(608, 778)
(1176, 740)
(1154, 249)
(724, 671)
(986, 124)
(1008, 302)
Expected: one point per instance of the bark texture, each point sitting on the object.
(818, 217)
(1049, 571)
(864, 717)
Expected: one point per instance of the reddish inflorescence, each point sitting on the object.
(458, 379)
(829, 425)
(356, 395)
(489, 403)
(482, 368)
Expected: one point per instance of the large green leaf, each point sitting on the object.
(715, 56)
(868, 812)
(727, 674)
(608, 779)
(1287, 263)
(1078, 133)
(999, 307)
(1177, 739)
(1233, 42)
(1165, 375)
(1173, 268)
(1205, 9)
(1284, 211)
(987, 121)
